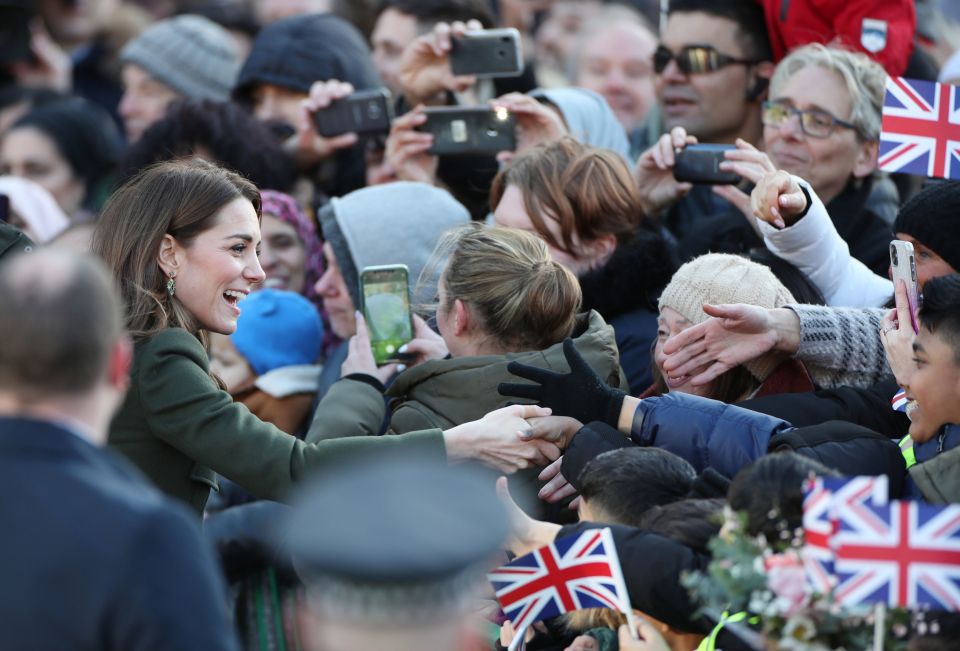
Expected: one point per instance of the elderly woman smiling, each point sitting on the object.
(822, 124)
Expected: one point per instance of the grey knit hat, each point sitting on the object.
(719, 278)
(192, 55)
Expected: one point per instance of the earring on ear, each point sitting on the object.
(171, 285)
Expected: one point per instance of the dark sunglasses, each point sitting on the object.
(695, 59)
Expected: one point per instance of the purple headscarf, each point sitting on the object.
(285, 208)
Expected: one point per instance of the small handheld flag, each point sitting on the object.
(572, 573)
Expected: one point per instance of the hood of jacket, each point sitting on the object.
(296, 51)
(457, 390)
(589, 118)
(395, 223)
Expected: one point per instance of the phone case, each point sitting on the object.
(364, 111)
(701, 164)
(387, 313)
(903, 266)
(487, 53)
(477, 130)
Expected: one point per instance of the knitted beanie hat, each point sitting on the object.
(932, 216)
(191, 54)
(277, 328)
(718, 278)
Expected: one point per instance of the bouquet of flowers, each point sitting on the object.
(767, 579)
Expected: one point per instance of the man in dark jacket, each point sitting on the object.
(286, 59)
(97, 558)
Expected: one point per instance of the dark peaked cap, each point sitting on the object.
(395, 537)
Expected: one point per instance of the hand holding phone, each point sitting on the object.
(903, 266)
(385, 293)
(425, 67)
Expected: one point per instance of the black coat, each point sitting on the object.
(868, 407)
(97, 559)
(625, 292)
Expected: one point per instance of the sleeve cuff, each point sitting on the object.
(366, 379)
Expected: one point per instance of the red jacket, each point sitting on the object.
(883, 29)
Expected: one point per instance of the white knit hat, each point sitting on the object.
(718, 278)
(191, 54)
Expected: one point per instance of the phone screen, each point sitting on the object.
(386, 305)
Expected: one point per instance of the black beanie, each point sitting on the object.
(84, 135)
(932, 217)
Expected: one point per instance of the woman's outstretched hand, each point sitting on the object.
(497, 440)
(580, 394)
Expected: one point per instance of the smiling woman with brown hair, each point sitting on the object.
(181, 239)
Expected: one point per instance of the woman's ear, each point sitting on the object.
(461, 318)
(169, 255)
(866, 159)
(600, 250)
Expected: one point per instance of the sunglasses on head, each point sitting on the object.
(695, 59)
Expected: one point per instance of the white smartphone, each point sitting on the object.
(904, 266)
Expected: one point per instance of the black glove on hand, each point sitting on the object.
(580, 394)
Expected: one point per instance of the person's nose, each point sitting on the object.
(324, 286)
(791, 127)
(267, 259)
(672, 74)
(128, 105)
(253, 272)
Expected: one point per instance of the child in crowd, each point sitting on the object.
(269, 363)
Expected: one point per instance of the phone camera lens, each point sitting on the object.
(893, 254)
(501, 53)
(492, 133)
(373, 111)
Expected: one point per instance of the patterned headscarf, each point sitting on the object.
(285, 208)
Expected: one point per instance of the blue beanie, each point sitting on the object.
(277, 328)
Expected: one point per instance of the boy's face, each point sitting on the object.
(935, 385)
(229, 365)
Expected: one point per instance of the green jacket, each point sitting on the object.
(447, 392)
(180, 429)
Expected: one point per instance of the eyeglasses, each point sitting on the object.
(695, 59)
(813, 122)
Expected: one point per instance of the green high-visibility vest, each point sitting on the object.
(710, 642)
(906, 449)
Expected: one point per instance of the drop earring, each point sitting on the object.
(171, 285)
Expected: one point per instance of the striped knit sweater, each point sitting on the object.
(841, 346)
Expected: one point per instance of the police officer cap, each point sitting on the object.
(395, 535)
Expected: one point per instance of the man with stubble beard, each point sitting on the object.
(712, 68)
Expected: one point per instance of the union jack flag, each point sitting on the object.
(901, 554)
(826, 501)
(575, 572)
(921, 128)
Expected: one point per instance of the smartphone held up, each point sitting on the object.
(472, 130)
(487, 53)
(701, 164)
(363, 111)
(903, 266)
(385, 292)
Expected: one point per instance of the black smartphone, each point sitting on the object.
(385, 291)
(14, 32)
(701, 164)
(474, 130)
(487, 53)
(364, 111)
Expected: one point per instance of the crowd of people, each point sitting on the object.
(203, 448)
